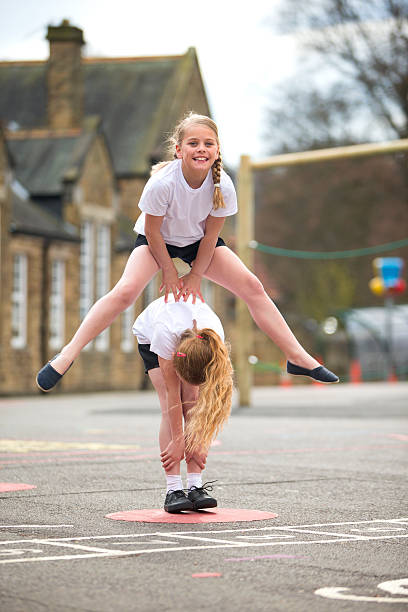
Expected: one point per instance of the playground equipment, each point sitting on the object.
(245, 231)
(388, 283)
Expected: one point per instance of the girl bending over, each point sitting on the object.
(182, 346)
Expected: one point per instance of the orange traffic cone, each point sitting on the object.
(355, 372)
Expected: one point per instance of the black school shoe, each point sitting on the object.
(47, 377)
(200, 498)
(321, 374)
(176, 501)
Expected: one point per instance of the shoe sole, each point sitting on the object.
(210, 503)
(41, 389)
(322, 382)
(175, 509)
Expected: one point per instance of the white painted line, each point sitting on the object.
(338, 593)
(76, 546)
(116, 553)
(145, 543)
(19, 551)
(130, 553)
(264, 537)
(192, 537)
(63, 557)
(285, 527)
(30, 526)
(396, 587)
(329, 533)
(376, 529)
(212, 542)
(213, 531)
(350, 523)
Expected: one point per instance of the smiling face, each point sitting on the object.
(198, 150)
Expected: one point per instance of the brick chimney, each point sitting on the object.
(64, 76)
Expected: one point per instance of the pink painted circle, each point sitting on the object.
(218, 515)
(14, 486)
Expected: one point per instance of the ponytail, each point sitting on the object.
(204, 359)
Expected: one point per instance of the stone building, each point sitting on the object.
(78, 140)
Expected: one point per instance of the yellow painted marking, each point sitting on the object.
(27, 446)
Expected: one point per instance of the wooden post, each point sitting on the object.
(322, 155)
(244, 323)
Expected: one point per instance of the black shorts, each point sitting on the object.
(150, 359)
(187, 253)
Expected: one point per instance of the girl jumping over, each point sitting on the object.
(184, 205)
(182, 346)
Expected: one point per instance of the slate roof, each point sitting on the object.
(30, 218)
(45, 159)
(136, 98)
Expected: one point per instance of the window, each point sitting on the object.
(19, 302)
(86, 297)
(207, 290)
(57, 304)
(127, 339)
(149, 293)
(103, 255)
(86, 268)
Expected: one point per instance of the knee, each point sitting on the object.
(252, 288)
(124, 294)
(189, 400)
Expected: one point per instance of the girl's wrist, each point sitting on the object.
(177, 437)
(168, 266)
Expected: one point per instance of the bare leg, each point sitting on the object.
(227, 270)
(139, 270)
(157, 379)
(189, 397)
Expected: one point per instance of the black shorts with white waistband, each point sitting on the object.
(150, 359)
(186, 253)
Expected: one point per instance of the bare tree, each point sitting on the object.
(353, 77)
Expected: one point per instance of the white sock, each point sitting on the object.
(174, 482)
(194, 480)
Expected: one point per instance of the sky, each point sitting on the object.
(240, 57)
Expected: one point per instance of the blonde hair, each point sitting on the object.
(176, 139)
(205, 361)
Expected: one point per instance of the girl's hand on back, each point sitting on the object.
(200, 457)
(171, 283)
(173, 454)
(191, 286)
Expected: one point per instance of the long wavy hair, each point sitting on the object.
(177, 137)
(202, 358)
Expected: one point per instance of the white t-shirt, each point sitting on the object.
(161, 324)
(185, 209)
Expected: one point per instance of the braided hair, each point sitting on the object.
(176, 139)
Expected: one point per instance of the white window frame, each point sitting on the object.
(57, 304)
(127, 343)
(86, 295)
(207, 290)
(149, 293)
(102, 276)
(19, 302)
